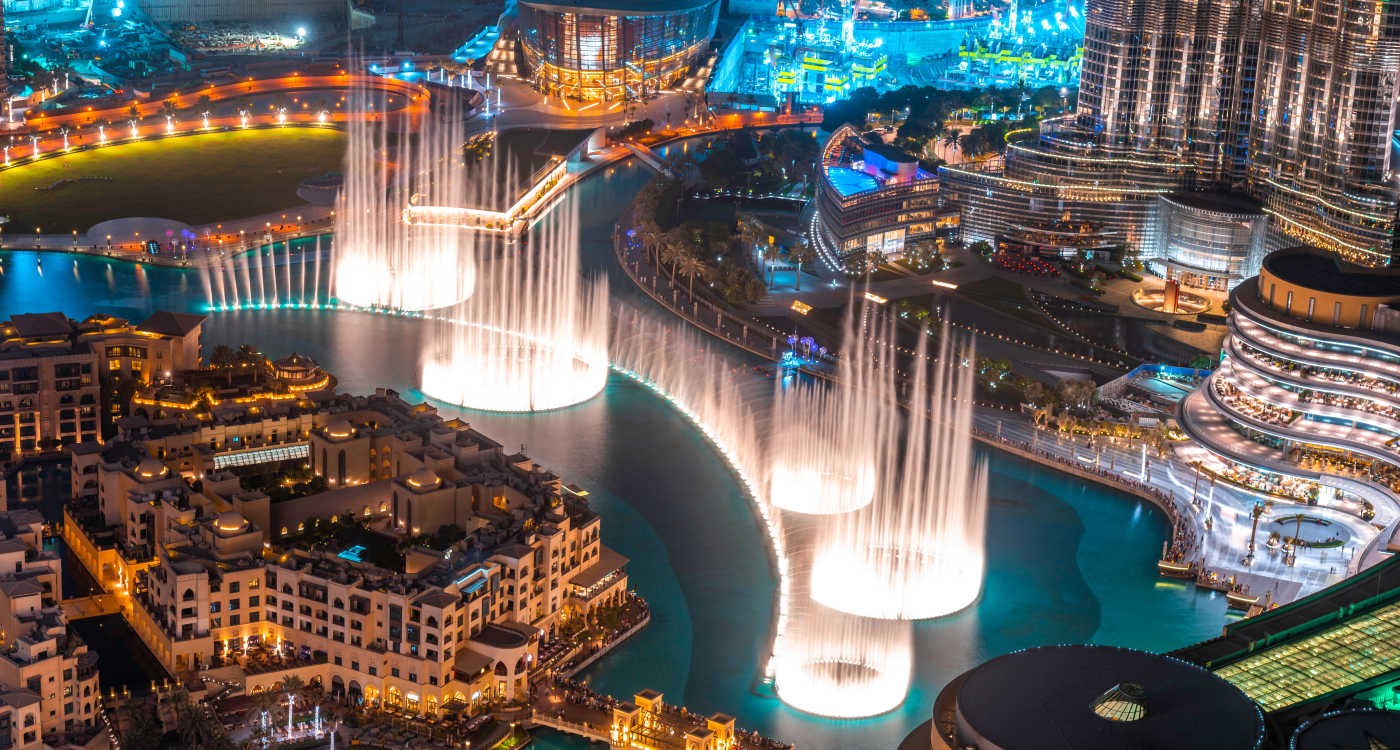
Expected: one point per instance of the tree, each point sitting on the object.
(1077, 393)
(801, 254)
(143, 727)
(675, 245)
(225, 359)
(691, 266)
(1035, 393)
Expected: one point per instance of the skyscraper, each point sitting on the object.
(1290, 101)
(1168, 78)
(1323, 111)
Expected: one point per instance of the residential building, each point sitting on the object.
(412, 562)
(52, 370)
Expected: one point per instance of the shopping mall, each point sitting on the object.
(1306, 401)
(612, 50)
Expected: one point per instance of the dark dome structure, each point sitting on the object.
(1101, 697)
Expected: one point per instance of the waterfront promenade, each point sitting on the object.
(1212, 521)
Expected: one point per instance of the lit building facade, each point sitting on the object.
(52, 371)
(1307, 397)
(1293, 106)
(874, 199)
(220, 574)
(1208, 240)
(1325, 93)
(612, 51)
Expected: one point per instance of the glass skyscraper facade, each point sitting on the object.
(613, 51)
(1290, 102)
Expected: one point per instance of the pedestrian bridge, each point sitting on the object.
(97, 605)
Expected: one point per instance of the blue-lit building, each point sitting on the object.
(612, 50)
(874, 199)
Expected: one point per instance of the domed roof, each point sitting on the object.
(150, 468)
(340, 428)
(231, 521)
(423, 479)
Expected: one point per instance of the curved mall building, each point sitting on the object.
(612, 50)
(874, 198)
(1309, 383)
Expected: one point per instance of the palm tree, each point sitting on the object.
(677, 244)
(690, 266)
(224, 358)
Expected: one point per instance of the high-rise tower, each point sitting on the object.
(1324, 109)
(1291, 101)
(1168, 78)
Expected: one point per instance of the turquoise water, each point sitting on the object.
(849, 182)
(1067, 562)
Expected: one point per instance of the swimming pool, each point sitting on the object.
(849, 182)
(1162, 387)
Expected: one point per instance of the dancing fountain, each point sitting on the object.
(826, 442)
(917, 551)
(534, 338)
(266, 277)
(843, 666)
(381, 260)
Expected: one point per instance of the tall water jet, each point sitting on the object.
(917, 551)
(843, 666)
(380, 260)
(536, 335)
(827, 442)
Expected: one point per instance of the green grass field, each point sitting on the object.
(194, 179)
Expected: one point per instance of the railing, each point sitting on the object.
(745, 334)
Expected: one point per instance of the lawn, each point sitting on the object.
(195, 179)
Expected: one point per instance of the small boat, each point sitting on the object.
(1173, 569)
(1239, 600)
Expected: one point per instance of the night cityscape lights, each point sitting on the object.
(700, 374)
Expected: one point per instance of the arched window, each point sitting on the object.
(188, 595)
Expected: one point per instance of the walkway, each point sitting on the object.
(96, 605)
(1221, 547)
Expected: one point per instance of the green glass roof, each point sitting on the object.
(1332, 659)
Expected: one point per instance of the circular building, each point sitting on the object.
(1362, 728)
(1093, 696)
(1208, 240)
(612, 50)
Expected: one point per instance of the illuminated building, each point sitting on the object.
(1208, 240)
(1186, 96)
(51, 367)
(387, 614)
(1092, 696)
(1320, 133)
(37, 650)
(1001, 62)
(874, 199)
(1307, 392)
(204, 11)
(1317, 673)
(612, 50)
